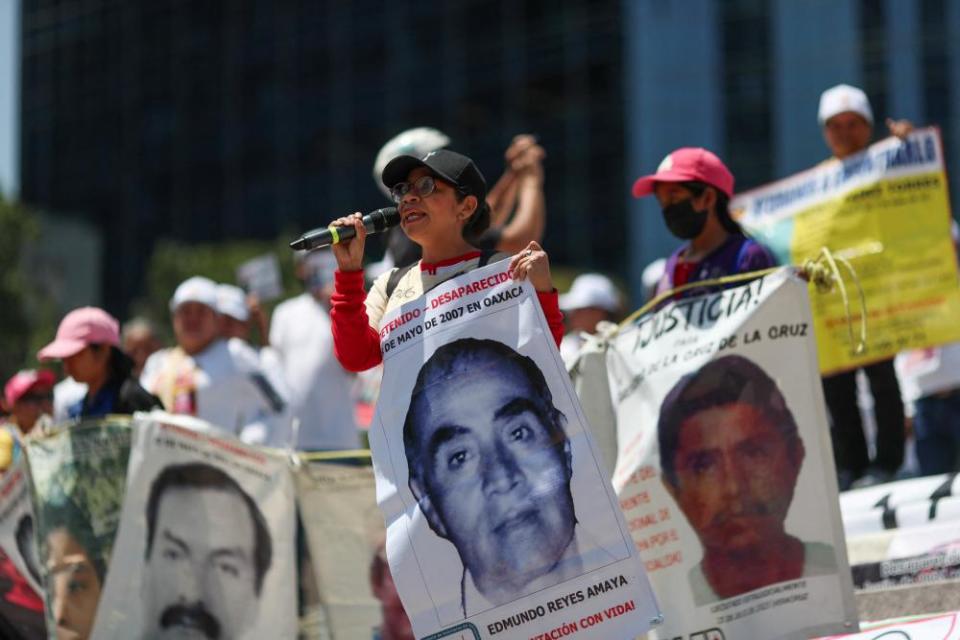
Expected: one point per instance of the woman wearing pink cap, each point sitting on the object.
(88, 342)
(694, 189)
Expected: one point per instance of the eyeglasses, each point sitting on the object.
(424, 186)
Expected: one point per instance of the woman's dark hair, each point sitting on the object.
(723, 205)
(120, 366)
(480, 219)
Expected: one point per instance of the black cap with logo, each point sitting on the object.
(452, 167)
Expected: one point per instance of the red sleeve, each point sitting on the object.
(550, 303)
(355, 343)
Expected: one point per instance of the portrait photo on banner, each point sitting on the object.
(77, 478)
(503, 495)
(21, 602)
(731, 455)
(208, 543)
(17, 526)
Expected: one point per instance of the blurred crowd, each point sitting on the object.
(274, 380)
(284, 388)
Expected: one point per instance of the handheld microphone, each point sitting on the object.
(375, 222)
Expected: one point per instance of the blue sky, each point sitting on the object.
(9, 96)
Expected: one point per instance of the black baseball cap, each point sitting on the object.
(452, 167)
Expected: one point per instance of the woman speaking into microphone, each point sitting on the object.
(441, 199)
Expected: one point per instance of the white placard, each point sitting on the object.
(500, 520)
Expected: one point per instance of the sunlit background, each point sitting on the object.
(133, 125)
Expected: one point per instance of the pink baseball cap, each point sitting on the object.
(24, 381)
(689, 164)
(79, 328)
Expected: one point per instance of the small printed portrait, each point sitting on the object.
(730, 455)
(490, 467)
(208, 550)
(27, 546)
(75, 569)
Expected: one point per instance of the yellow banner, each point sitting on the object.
(887, 211)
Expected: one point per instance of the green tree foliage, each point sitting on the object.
(18, 226)
(173, 262)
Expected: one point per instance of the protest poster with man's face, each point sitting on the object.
(21, 582)
(498, 512)
(208, 550)
(730, 456)
(77, 478)
(207, 534)
(492, 474)
(724, 464)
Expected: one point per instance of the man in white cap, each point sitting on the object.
(321, 391)
(239, 313)
(235, 313)
(218, 380)
(847, 121)
(592, 299)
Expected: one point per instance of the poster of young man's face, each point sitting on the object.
(498, 467)
(730, 456)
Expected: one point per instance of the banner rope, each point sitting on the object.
(822, 271)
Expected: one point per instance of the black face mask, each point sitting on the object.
(683, 220)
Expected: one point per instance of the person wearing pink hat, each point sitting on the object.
(88, 343)
(27, 396)
(694, 188)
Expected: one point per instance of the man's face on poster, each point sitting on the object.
(736, 474)
(199, 578)
(493, 478)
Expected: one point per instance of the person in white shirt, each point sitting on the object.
(321, 390)
(592, 299)
(67, 393)
(218, 380)
(239, 313)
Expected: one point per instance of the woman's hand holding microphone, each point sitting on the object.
(349, 254)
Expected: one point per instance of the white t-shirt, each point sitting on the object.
(225, 385)
(570, 347)
(321, 391)
(66, 393)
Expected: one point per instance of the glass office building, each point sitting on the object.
(202, 121)
(744, 77)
